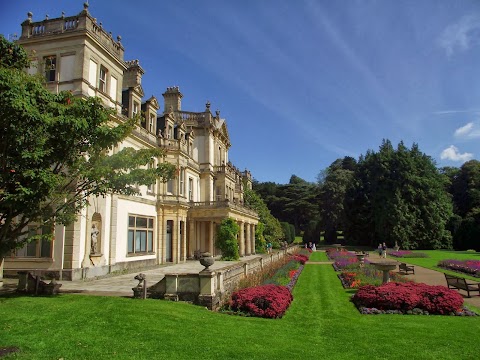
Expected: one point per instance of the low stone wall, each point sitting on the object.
(211, 288)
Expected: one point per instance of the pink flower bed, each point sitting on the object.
(302, 259)
(267, 301)
(405, 297)
(471, 267)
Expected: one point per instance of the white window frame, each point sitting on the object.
(103, 79)
(136, 243)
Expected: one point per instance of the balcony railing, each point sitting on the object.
(223, 204)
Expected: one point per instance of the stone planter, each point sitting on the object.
(386, 266)
(361, 258)
(207, 260)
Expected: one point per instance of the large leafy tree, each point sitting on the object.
(269, 228)
(465, 188)
(398, 195)
(295, 202)
(55, 153)
(334, 182)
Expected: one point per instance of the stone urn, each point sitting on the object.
(386, 266)
(361, 258)
(207, 260)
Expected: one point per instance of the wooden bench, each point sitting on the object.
(455, 282)
(406, 268)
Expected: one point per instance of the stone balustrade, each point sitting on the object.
(211, 288)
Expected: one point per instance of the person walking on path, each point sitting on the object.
(384, 250)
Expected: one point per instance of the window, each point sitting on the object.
(151, 126)
(102, 80)
(190, 189)
(37, 248)
(50, 68)
(170, 186)
(140, 235)
(135, 109)
(151, 188)
(182, 181)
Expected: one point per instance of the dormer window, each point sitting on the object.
(135, 109)
(151, 126)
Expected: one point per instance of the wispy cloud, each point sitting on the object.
(452, 153)
(449, 112)
(468, 131)
(460, 35)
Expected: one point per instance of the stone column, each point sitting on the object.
(211, 247)
(252, 233)
(248, 240)
(184, 240)
(175, 239)
(241, 239)
(191, 237)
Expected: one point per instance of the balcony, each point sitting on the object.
(223, 204)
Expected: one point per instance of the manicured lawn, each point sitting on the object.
(321, 324)
(434, 256)
(318, 256)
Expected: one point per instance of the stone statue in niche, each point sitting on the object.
(94, 236)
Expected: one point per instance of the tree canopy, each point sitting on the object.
(56, 152)
(269, 228)
(398, 195)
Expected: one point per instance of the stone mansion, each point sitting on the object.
(169, 222)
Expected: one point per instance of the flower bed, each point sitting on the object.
(273, 297)
(367, 275)
(407, 254)
(267, 301)
(471, 267)
(283, 275)
(302, 259)
(343, 259)
(408, 298)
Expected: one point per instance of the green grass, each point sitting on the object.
(318, 256)
(434, 256)
(321, 323)
(298, 240)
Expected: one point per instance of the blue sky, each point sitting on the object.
(303, 83)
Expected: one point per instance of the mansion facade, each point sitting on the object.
(169, 222)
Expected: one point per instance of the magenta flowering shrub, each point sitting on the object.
(267, 301)
(407, 254)
(302, 259)
(408, 296)
(471, 267)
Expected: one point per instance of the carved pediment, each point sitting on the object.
(153, 102)
(139, 90)
(224, 130)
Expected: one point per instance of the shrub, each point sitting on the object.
(302, 259)
(227, 239)
(267, 301)
(408, 296)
